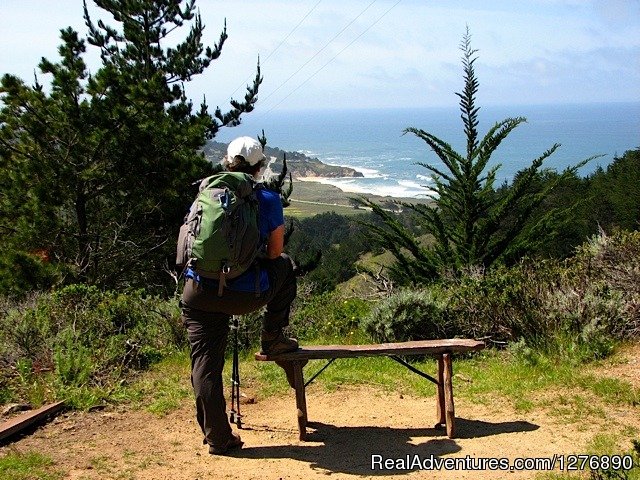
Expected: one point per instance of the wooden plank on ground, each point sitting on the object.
(24, 420)
(420, 347)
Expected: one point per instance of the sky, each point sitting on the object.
(330, 54)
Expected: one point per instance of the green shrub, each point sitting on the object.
(249, 329)
(66, 343)
(501, 304)
(72, 360)
(620, 474)
(575, 309)
(408, 315)
(328, 315)
(613, 261)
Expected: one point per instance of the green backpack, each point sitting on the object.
(220, 237)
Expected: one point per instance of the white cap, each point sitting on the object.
(246, 147)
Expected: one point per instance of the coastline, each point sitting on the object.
(323, 187)
(352, 187)
(311, 197)
(389, 161)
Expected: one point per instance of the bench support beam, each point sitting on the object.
(319, 372)
(301, 399)
(448, 395)
(413, 369)
(441, 419)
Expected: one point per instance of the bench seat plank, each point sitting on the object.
(419, 347)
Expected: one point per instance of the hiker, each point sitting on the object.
(207, 308)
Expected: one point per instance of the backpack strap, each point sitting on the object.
(253, 198)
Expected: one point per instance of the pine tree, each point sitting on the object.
(97, 167)
(471, 223)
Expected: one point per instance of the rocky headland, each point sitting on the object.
(299, 164)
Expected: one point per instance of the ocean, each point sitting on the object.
(372, 141)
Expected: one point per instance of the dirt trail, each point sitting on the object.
(350, 426)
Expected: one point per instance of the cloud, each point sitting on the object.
(600, 75)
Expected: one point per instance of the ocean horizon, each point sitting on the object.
(372, 141)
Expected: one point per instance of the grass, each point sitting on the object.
(101, 463)
(27, 466)
(613, 390)
(574, 408)
(312, 198)
(162, 389)
(304, 209)
(482, 378)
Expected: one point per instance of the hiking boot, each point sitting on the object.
(233, 443)
(274, 343)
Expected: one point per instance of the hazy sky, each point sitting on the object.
(384, 53)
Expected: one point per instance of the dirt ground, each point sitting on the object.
(352, 428)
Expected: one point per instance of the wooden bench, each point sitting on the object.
(441, 349)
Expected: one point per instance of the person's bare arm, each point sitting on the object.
(275, 243)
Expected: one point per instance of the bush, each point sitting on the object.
(328, 315)
(613, 263)
(80, 338)
(575, 309)
(501, 304)
(408, 315)
(618, 473)
(249, 329)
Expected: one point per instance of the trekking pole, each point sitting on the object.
(234, 414)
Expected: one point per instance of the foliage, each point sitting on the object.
(613, 261)
(96, 167)
(473, 225)
(22, 272)
(574, 309)
(607, 199)
(315, 316)
(340, 241)
(79, 342)
(408, 315)
(328, 315)
(163, 386)
(614, 197)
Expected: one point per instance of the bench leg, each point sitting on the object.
(448, 395)
(301, 400)
(441, 420)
